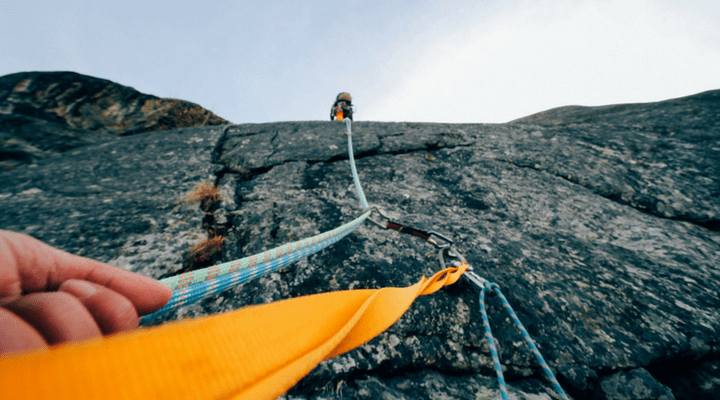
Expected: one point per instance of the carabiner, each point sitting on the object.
(448, 241)
(478, 281)
(378, 223)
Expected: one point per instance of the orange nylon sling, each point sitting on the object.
(257, 352)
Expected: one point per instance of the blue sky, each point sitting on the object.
(429, 61)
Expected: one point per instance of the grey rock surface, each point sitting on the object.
(634, 384)
(46, 113)
(604, 238)
(686, 113)
(116, 200)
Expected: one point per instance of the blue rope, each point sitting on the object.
(358, 187)
(493, 287)
(200, 290)
(223, 280)
(493, 350)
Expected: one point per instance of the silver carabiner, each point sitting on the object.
(478, 281)
(378, 223)
(448, 241)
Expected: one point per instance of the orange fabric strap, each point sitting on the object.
(257, 352)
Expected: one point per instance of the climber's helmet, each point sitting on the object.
(344, 96)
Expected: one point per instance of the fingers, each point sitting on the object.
(112, 312)
(92, 298)
(28, 265)
(146, 294)
(79, 310)
(59, 317)
(10, 280)
(16, 335)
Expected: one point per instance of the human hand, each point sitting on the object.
(48, 296)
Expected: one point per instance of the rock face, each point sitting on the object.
(46, 113)
(690, 113)
(603, 236)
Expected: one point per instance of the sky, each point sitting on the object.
(481, 61)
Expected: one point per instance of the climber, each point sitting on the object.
(342, 108)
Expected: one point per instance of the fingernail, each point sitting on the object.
(79, 289)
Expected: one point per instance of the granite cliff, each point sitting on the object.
(599, 224)
(43, 114)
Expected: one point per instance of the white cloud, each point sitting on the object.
(536, 56)
(452, 61)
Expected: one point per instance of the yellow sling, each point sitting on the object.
(257, 352)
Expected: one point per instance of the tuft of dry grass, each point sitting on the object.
(203, 192)
(206, 249)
